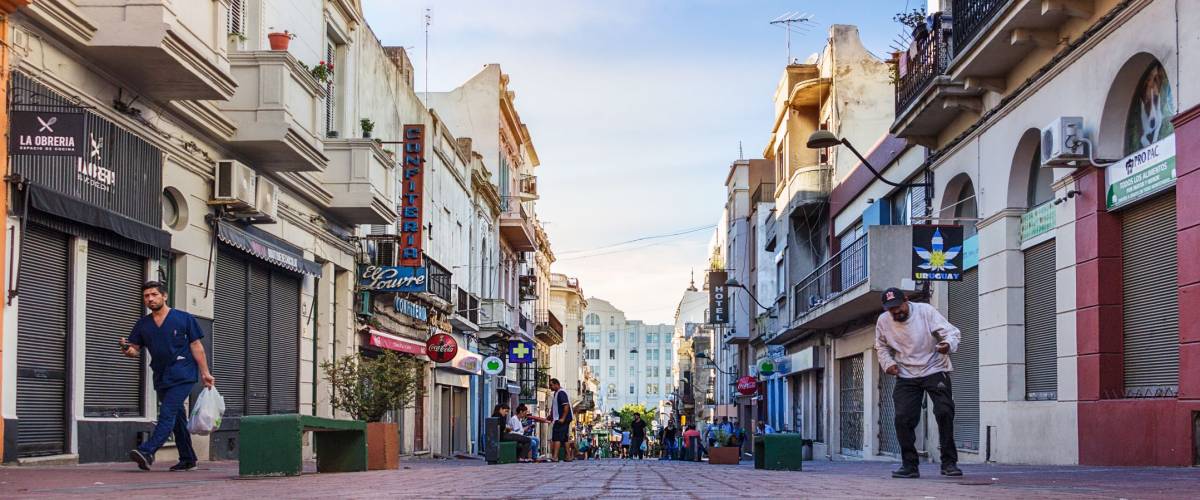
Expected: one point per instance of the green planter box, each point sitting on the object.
(507, 452)
(271, 445)
(779, 452)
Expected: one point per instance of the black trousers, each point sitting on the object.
(907, 396)
(635, 447)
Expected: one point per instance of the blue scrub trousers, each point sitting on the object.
(171, 418)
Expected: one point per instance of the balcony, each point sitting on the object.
(466, 311)
(278, 111)
(549, 329)
(523, 324)
(148, 44)
(361, 176)
(991, 37)
(847, 286)
(516, 227)
(809, 185)
(529, 190)
(527, 286)
(496, 315)
(439, 280)
(927, 99)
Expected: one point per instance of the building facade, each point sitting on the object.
(633, 361)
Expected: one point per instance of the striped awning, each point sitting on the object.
(267, 247)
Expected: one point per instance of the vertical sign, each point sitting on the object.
(718, 297)
(937, 253)
(412, 219)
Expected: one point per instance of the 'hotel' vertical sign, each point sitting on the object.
(412, 219)
(718, 298)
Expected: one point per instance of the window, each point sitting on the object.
(633, 357)
(612, 354)
(652, 389)
(652, 354)
(633, 371)
(612, 371)
(593, 354)
(633, 338)
(652, 371)
(612, 337)
(593, 319)
(612, 320)
(669, 388)
(668, 374)
(612, 390)
(631, 389)
(651, 338)
(780, 279)
(592, 339)
(330, 95)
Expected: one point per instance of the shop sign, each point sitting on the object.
(47, 133)
(412, 190)
(493, 365)
(718, 298)
(937, 253)
(747, 385)
(971, 252)
(414, 311)
(520, 352)
(1037, 221)
(396, 344)
(1141, 174)
(441, 347)
(766, 367)
(393, 279)
(467, 362)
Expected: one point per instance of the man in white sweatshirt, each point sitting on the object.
(914, 343)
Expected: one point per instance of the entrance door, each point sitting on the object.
(963, 312)
(42, 321)
(850, 375)
(447, 416)
(460, 420)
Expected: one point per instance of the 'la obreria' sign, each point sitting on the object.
(393, 279)
(46, 133)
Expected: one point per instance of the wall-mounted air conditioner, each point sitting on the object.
(266, 201)
(1062, 142)
(234, 186)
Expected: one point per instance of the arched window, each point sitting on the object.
(1040, 180)
(1149, 119)
(966, 210)
(593, 319)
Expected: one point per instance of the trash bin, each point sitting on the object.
(784, 451)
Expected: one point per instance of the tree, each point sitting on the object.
(368, 388)
(627, 412)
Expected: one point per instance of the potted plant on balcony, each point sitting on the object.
(322, 72)
(724, 452)
(368, 389)
(280, 39)
(367, 126)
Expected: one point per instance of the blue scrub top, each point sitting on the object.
(169, 346)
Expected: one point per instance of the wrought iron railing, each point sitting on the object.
(439, 280)
(468, 306)
(970, 18)
(929, 60)
(844, 271)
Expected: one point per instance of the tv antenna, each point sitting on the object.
(793, 22)
(428, 23)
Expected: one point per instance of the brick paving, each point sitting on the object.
(603, 479)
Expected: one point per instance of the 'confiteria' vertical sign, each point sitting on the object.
(412, 219)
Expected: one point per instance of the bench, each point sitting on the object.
(506, 452)
(784, 451)
(272, 445)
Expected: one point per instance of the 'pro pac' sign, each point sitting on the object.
(412, 219)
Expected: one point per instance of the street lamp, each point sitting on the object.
(733, 282)
(822, 139)
(712, 364)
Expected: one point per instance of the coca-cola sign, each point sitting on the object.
(747, 385)
(441, 348)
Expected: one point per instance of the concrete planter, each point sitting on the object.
(725, 455)
(383, 446)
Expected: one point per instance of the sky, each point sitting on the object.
(636, 109)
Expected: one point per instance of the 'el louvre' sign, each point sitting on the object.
(412, 189)
(393, 279)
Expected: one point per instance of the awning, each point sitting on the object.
(267, 247)
(393, 343)
(64, 206)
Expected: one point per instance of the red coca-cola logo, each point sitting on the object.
(441, 348)
(747, 385)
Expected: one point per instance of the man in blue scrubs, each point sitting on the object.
(177, 359)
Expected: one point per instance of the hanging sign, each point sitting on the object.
(493, 365)
(520, 352)
(766, 367)
(718, 297)
(937, 253)
(441, 348)
(393, 279)
(46, 133)
(747, 385)
(1141, 174)
(412, 191)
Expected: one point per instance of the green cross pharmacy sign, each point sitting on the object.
(1141, 174)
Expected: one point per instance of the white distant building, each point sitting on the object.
(634, 362)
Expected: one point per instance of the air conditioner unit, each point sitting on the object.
(234, 185)
(382, 230)
(266, 201)
(1062, 142)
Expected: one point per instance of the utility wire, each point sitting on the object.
(619, 250)
(644, 238)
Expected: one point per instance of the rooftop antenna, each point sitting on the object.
(793, 22)
(741, 156)
(428, 23)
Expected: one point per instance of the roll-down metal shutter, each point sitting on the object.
(1041, 337)
(258, 341)
(850, 376)
(42, 342)
(887, 415)
(113, 383)
(285, 343)
(1151, 302)
(229, 331)
(963, 312)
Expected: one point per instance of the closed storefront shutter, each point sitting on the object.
(887, 415)
(850, 376)
(1041, 338)
(285, 343)
(258, 341)
(963, 312)
(229, 332)
(42, 342)
(113, 386)
(1151, 302)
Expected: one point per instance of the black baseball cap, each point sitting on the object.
(892, 297)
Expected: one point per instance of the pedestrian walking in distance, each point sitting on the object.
(172, 338)
(638, 436)
(560, 431)
(914, 343)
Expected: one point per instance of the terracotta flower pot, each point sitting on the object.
(279, 40)
(725, 455)
(383, 446)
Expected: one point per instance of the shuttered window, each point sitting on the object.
(237, 20)
(1041, 337)
(113, 383)
(1151, 302)
(42, 342)
(330, 98)
(963, 312)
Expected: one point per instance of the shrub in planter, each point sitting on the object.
(367, 127)
(369, 388)
(724, 452)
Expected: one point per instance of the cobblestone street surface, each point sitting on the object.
(603, 479)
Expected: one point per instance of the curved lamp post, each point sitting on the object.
(822, 139)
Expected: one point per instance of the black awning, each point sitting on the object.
(267, 247)
(61, 205)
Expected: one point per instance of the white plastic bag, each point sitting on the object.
(206, 414)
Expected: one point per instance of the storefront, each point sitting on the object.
(451, 405)
(86, 195)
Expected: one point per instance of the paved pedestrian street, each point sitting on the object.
(603, 479)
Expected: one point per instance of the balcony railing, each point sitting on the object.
(439, 280)
(529, 188)
(516, 226)
(496, 314)
(844, 271)
(467, 306)
(970, 18)
(932, 56)
(549, 328)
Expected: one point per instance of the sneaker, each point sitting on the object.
(906, 473)
(143, 462)
(951, 470)
(183, 467)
